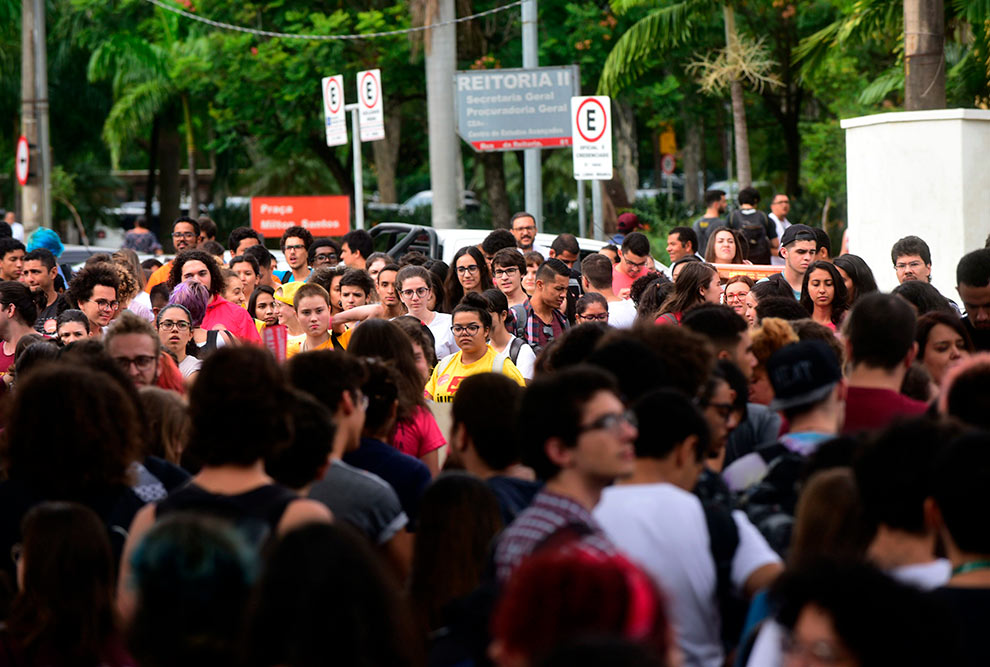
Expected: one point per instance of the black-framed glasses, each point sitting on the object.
(323, 257)
(467, 269)
(635, 265)
(470, 329)
(168, 325)
(103, 304)
(183, 235)
(419, 291)
(294, 247)
(611, 422)
(506, 272)
(600, 317)
(143, 362)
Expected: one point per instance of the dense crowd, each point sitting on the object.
(531, 456)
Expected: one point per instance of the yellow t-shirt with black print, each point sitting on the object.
(450, 372)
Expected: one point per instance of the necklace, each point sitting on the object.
(972, 566)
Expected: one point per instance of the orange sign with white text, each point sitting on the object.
(322, 215)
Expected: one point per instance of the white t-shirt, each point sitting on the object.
(189, 365)
(622, 314)
(781, 225)
(524, 362)
(663, 527)
(442, 337)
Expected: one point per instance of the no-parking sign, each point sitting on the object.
(591, 137)
(371, 118)
(23, 160)
(333, 110)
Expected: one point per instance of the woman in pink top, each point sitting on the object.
(416, 431)
(220, 313)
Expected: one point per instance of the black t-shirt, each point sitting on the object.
(980, 337)
(971, 610)
(49, 315)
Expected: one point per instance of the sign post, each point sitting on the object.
(371, 115)
(23, 160)
(333, 110)
(591, 135)
(667, 164)
(358, 169)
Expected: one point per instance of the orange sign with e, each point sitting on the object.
(321, 215)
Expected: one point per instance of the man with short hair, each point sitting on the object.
(133, 343)
(388, 294)
(680, 540)
(375, 262)
(93, 290)
(912, 259)
(266, 275)
(355, 248)
(355, 288)
(508, 269)
(496, 240)
(40, 270)
(823, 245)
(780, 206)
(634, 257)
(757, 229)
(798, 248)
(596, 275)
(582, 449)
(323, 252)
(11, 259)
(544, 320)
(880, 347)
(727, 331)
(242, 238)
(207, 230)
(484, 441)
(973, 286)
(715, 207)
(681, 242)
(295, 245)
(523, 226)
(246, 268)
(355, 496)
(565, 248)
(185, 235)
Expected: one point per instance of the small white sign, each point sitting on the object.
(668, 163)
(23, 160)
(333, 110)
(591, 137)
(371, 117)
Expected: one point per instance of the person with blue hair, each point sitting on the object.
(47, 239)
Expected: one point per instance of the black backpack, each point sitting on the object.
(770, 503)
(754, 229)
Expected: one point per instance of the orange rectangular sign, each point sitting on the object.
(322, 215)
(754, 271)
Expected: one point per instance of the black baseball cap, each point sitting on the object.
(802, 373)
(797, 233)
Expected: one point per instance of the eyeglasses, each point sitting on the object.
(635, 265)
(322, 257)
(467, 269)
(610, 422)
(506, 272)
(600, 317)
(103, 304)
(419, 291)
(168, 325)
(527, 228)
(470, 329)
(736, 296)
(143, 362)
(183, 235)
(914, 266)
(294, 247)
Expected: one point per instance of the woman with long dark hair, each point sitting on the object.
(856, 275)
(696, 283)
(823, 294)
(469, 273)
(726, 246)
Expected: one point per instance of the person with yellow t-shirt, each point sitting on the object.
(312, 306)
(471, 325)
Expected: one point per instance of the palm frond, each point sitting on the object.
(886, 83)
(133, 113)
(867, 20)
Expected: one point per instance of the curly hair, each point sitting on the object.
(81, 286)
(216, 277)
(773, 334)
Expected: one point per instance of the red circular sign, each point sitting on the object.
(374, 88)
(333, 92)
(22, 160)
(592, 140)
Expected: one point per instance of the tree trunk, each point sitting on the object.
(498, 199)
(692, 158)
(626, 149)
(149, 190)
(386, 156)
(191, 154)
(169, 157)
(924, 54)
(743, 173)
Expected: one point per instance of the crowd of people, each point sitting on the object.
(534, 456)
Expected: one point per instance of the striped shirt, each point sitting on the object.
(548, 513)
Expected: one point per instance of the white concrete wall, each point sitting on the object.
(923, 173)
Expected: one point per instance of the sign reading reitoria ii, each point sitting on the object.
(512, 109)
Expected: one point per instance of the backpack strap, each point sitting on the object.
(771, 452)
(514, 348)
(519, 312)
(723, 535)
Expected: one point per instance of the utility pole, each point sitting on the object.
(358, 171)
(441, 62)
(36, 208)
(924, 55)
(532, 164)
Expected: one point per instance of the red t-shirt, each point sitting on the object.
(418, 435)
(234, 318)
(621, 281)
(868, 409)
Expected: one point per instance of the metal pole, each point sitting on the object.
(441, 61)
(41, 110)
(582, 213)
(31, 212)
(532, 164)
(358, 173)
(598, 222)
